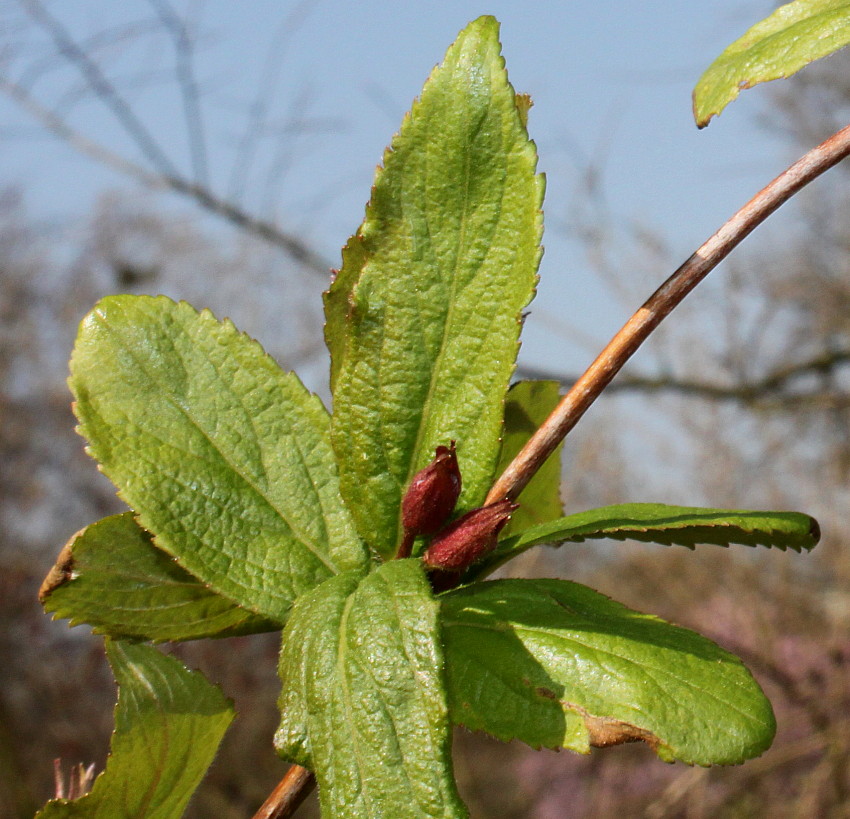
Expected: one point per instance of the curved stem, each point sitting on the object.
(289, 793)
(406, 546)
(659, 305)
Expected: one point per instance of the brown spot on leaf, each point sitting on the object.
(61, 572)
(603, 732)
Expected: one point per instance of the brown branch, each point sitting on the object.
(267, 231)
(769, 388)
(102, 87)
(290, 792)
(185, 71)
(638, 328)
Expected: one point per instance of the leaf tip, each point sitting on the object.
(485, 22)
(60, 573)
(814, 532)
(701, 117)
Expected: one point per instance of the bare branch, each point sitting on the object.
(109, 37)
(638, 328)
(283, 159)
(290, 792)
(772, 388)
(292, 245)
(184, 53)
(259, 108)
(101, 86)
(59, 127)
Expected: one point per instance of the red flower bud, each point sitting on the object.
(469, 538)
(432, 494)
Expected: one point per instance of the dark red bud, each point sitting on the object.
(469, 538)
(432, 494)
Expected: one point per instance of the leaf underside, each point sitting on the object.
(665, 525)
(169, 722)
(111, 576)
(780, 45)
(363, 702)
(423, 319)
(556, 664)
(221, 455)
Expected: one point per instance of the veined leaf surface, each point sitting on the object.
(111, 576)
(556, 664)
(222, 456)
(667, 525)
(423, 319)
(363, 703)
(795, 35)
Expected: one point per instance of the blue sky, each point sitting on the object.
(610, 81)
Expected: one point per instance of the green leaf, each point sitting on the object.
(224, 457)
(527, 406)
(557, 664)
(363, 703)
(780, 45)
(338, 304)
(423, 320)
(667, 525)
(169, 722)
(111, 576)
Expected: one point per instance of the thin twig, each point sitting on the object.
(290, 792)
(265, 230)
(185, 71)
(637, 329)
(258, 112)
(106, 38)
(102, 87)
(771, 387)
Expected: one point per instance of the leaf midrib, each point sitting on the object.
(298, 536)
(600, 650)
(347, 698)
(784, 536)
(424, 418)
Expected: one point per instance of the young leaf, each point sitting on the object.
(169, 722)
(667, 525)
(223, 457)
(423, 320)
(338, 304)
(363, 703)
(795, 35)
(527, 406)
(111, 576)
(557, 664)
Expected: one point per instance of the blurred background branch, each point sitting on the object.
(774, 390)
(160, 172)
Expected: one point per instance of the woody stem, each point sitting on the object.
(659, 305)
